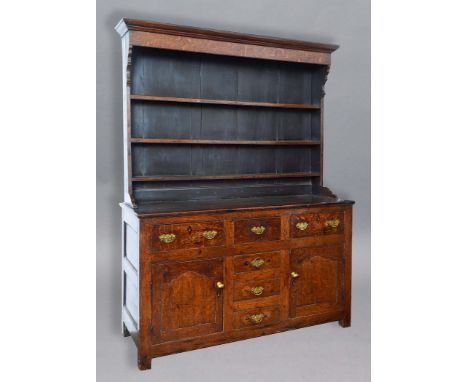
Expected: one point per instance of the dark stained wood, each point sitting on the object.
(207, 192)
(217, 177)
(146, 294)
(141, 97)
(256, 100)
(268, 229)
(220, 142)
(241, 204)
(210, 163)
(220, 207)
(348, 223)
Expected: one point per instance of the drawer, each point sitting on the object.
(256, 317)
(167, 237)
(256, 262)
(323, 223)
(256, 289)
(253, 230)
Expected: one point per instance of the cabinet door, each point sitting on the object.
(316, 280)
(186, 300)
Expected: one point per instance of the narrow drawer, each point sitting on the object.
(316, 224)
(167, 237)
(256, 289)
(256, 262)
(257, 317)
(253, 230)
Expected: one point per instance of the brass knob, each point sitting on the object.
(209, 234)
(258, 230)
(219, 285)
(257, 318)
(332, 223)
(302, 226)
(294, 275)
(257, 263)
(257, 291)
(167, 238)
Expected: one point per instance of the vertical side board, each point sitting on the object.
(345, 322)
(127, 119)
(130, 274)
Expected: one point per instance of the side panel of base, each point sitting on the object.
(130, 275)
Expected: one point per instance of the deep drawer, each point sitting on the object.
(256, 317)
(255, 289)
(167, 237)
(316, 224)
(253, 230)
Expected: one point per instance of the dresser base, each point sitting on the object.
(193, 279)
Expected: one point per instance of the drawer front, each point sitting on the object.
(167, 237)
(256, 289)
(258, 317)
(253, 230)
(316, 224)
(256, 262)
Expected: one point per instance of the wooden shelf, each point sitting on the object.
(168, 178)
(223, 205)
(225, 102)
(224, 142)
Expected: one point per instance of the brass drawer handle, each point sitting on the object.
(257, 318)
(257, 263)
(294, 275)
(257, 291)
(167, 238)
(209, 234)
(302, 226)
(219, 285)
(332, 223)
(258, 230)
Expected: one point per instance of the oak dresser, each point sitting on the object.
(228, 231)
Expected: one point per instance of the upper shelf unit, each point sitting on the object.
(220, 115)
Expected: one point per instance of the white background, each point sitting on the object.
(419, 82)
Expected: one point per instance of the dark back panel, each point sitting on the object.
(165, 73)
(192, 75)
(195, 75)
(191, 121)
(222, 189)
(203, 160)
